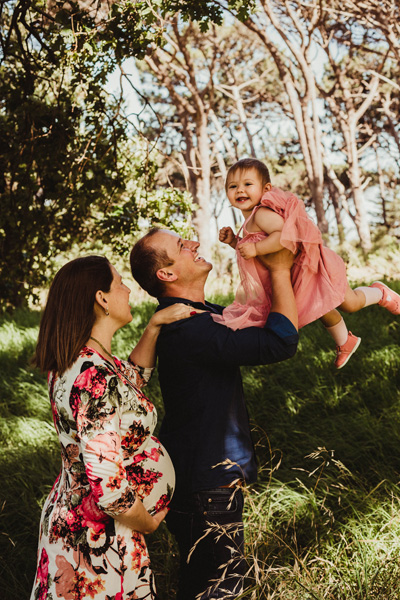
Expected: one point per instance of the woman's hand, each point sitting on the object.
(138, 519)
(159, 518)
(175, 312)
(144, 353)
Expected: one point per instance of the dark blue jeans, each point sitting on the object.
(209, 532)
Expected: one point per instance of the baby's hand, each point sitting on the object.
(248, 250)
(226, 235)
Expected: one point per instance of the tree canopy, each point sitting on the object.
(311, 87)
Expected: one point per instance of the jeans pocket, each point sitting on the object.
(221, 502)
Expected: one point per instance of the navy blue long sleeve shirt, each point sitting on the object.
(206, 421)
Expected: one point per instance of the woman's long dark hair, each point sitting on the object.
(69, 314)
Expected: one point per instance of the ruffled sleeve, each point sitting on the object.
(299, 233)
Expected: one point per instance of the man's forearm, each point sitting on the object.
(283, 301)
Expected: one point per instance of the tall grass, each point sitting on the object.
(323, 520)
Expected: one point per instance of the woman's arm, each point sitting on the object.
(138, 519)
(144, 353)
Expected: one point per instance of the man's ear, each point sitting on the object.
(165, 275)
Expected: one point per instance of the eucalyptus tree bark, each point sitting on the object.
(233, 91)
(232, 157)
(392, 116)
(174, 69)
(297, 75)
(382, 190)
(337, 207)
(348, 103)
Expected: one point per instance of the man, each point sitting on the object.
(206, 427)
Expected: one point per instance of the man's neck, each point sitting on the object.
(194, 294)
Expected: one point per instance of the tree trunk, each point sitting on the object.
(198, 161)
(302, 102)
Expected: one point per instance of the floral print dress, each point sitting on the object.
(109, 457)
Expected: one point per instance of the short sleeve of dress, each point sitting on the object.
(95, 402)
(139, 375)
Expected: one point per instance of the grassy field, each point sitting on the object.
(322, 523)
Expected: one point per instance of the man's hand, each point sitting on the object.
(248, 250)
(226, 235)
(278, 261)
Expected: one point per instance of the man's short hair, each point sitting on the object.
(250, 163)
(146, 261)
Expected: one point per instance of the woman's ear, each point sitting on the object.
(101, 301)
(165, 275)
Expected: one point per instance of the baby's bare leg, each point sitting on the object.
(333, 317)
(353, 301)
(346, 342)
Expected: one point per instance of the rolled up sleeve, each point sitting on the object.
(211, 343)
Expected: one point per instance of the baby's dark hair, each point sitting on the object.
(250, 163)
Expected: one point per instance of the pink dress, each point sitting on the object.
(318, 274)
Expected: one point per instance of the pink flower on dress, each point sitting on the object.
(142, 481)
(162, 503)
(95, 482)
(134, 438)
(42, 575)
(92, 381)
(74, 402)
(71, 517)
(105, 446)
(92, 516)
(153, 455)
(64, 579)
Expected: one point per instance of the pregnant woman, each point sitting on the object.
(116, 478)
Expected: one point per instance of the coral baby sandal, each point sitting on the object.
(390, 300)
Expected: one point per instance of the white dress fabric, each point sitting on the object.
(105, 426)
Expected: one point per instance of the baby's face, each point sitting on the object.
(245, 188)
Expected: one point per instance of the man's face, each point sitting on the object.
(187, 265)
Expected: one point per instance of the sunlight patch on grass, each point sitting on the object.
(25, 431)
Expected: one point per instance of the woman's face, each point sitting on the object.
(118, 300)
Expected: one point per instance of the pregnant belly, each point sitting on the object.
(152, 475)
